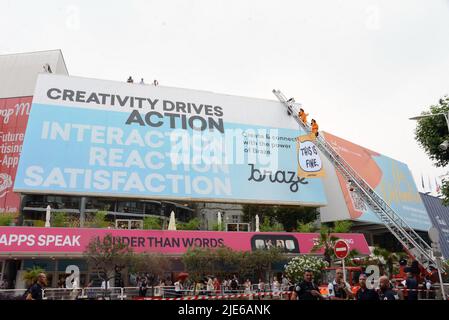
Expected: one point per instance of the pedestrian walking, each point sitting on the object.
(36, 290)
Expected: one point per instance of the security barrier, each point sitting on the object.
(170, 293)
(12, 294)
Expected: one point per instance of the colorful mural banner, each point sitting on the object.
(13, 121)
(16, 240)
(390, 178)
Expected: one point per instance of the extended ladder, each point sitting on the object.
(411, 241)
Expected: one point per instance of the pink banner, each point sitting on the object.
(75, 240)
(13, 120)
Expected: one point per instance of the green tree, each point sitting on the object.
(228, 260)
(98, 220)
(6, 219)
(289, 217)
(198, 262)
(38, 223)
(30, 276)
(270, 225)
(326, 242)
(218, 227)
(192, 224)
(306, 227)
(259, 262)
(327, 239)
(152, 223)
(386, 258)
(430, 132)
(107, 256)
(153, 264)
(59, 219)
(343, 226)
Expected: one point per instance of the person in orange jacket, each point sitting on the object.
(314, 127)
(302, 115)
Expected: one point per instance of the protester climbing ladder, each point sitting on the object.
(411, 241)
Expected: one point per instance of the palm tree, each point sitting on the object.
(326, 241)
(31, 275)
(390, 258)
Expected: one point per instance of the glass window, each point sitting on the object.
(101, 204)
(152, 208)
(63, 202)
(136, 224)
(63, 264)
(122, 224)
(130, 207)
(47, 265)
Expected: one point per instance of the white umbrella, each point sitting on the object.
(172, 222)
(47, 216)
(257, 223)
(219, 220)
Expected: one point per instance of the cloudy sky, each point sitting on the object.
(360, 67)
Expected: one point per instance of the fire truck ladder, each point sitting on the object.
(411, 241)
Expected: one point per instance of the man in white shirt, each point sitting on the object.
(339, 289)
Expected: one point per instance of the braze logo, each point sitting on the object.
(288, 177)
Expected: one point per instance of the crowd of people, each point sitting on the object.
(406, 287)
(339, 289)
(212, 285)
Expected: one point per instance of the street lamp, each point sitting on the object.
(445, 145)
(446, 116)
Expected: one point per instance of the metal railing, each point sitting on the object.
(169, 292)
(12, 294)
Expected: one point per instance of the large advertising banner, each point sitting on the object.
(439, 215)
(389, 178)
(107, 138)
(16, 240)
(13, 120)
